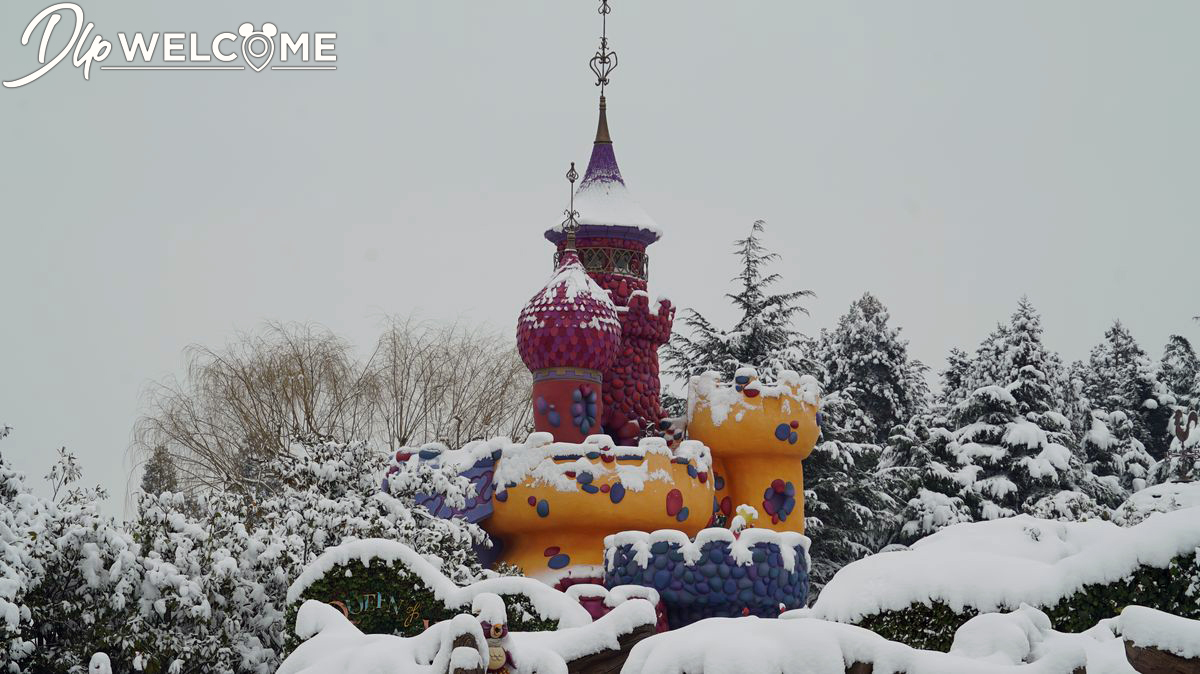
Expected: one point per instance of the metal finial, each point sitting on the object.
(605, 61)
(571, 224)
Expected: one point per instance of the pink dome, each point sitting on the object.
(570, 323)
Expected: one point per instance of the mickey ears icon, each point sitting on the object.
(268, 30)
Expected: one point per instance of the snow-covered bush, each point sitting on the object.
(218, 567)
(1078, 573)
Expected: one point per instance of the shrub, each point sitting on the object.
(1174, 589)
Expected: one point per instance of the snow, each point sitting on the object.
(489, 607)
(1002, 638)
(1149, 628)
(801, 644)
(335, 646)
(723, 399)
(608, 202)
(1161, 498)
(1003, 563)
(548, 602)
(740, 546)
(540, 461)
(99, 664)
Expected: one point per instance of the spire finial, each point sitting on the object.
(605, 61)
(571, 224)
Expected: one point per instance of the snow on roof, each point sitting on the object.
(603, 199)
(1149, 628)
(548, 602)
(740, 546)
(1004, 563)
(723, 398)
(541, 462)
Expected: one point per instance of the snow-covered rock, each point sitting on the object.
(1148, 628)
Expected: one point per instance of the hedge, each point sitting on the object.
(1175, 590)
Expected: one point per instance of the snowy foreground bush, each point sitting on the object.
(1078, 573)
(1019, 642)
(335, 646)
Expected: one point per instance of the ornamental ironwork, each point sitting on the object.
(619, 261)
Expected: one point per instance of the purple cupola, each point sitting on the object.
(568, 334)
(610, 242)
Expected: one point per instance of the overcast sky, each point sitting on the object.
(947, 156)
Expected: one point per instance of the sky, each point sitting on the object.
(948, 157)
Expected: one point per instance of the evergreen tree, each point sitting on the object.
(954, 379)
(1009, 427)
(1076, 405)
(924, 463)
(1179, 371)
(1115, 459)
(159, 474)
(1121, 377)
(764, 336)
(848, 509)
(987, 367)
(866, 353)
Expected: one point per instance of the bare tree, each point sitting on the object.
(448, 383)
(239, 406)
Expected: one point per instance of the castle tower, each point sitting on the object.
(611, 243)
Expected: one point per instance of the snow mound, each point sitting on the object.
(1161, 498)
(1149, 628)
(1000, 564)
(548, 602)
(799, 644)
(335, 646)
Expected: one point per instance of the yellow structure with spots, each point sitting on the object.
(759, 435)
(569, 497)
(556, 502)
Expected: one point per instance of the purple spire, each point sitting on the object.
(603, 201)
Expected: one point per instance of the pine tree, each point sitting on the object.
(987, 367)
(764, 337)
(866, 353)
(924, 464)
(954, 379)
(1115, 459)
(848, 508)
(1179, 371)
(159, 473)
(1121, 377)
(1010, 428)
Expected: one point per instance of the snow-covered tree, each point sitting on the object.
(19, 523)
(1011, 429)
(865, 359)
(1116, 460)
(1121, 377)
(922, 464)
(88, 576)
(954, 379)
(848, 508)
(764, 336)
(222, 562)
(1179, 371)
